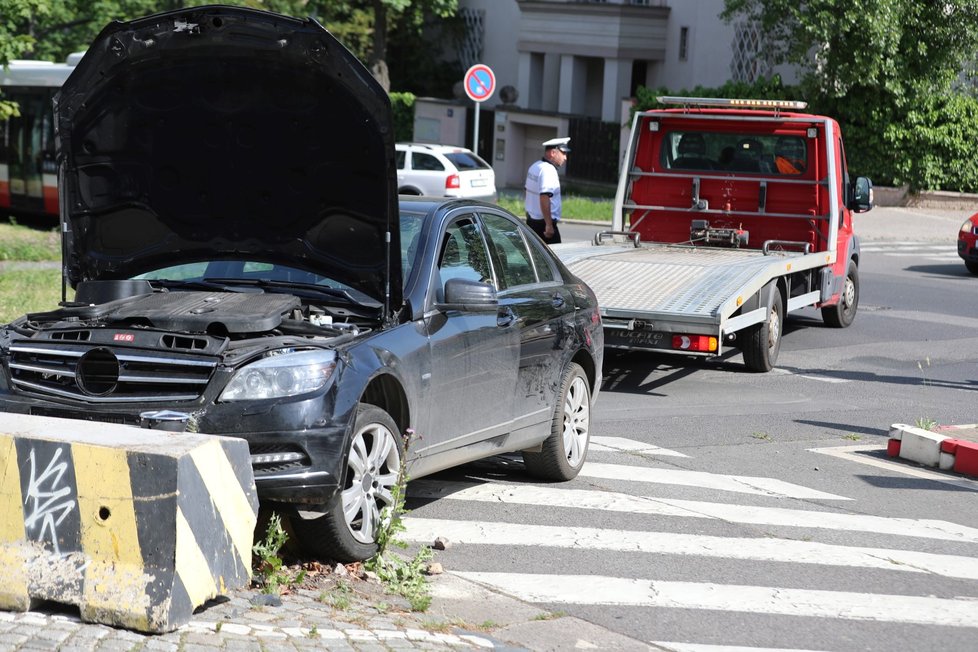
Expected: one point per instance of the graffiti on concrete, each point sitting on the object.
(47, 502)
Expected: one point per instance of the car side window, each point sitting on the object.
(428, 162)
(514, 265)
(400, 157)
(545, 273)
(463, 253)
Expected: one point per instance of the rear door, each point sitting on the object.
(533, 293)
(474, 355)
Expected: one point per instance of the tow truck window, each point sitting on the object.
(732, 152)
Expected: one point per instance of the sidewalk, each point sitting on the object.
(339, 613)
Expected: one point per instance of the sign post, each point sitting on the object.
(479, 82)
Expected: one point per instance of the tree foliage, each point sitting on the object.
(898, 47)
(52, 29)
(890, 72)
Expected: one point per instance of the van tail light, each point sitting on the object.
(694, 343)
(452, 182)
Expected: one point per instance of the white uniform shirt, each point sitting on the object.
(542, 179)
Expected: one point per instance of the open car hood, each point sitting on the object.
(227, 133)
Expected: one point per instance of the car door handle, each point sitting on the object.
(505, 317)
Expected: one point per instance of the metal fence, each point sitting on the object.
(594, 150)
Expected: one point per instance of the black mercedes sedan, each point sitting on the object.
(241, 265)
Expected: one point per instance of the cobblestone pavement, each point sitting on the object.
(365, 622)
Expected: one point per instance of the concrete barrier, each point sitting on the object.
(135, 527)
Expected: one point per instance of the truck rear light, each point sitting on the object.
(694, 343)
(451, 181)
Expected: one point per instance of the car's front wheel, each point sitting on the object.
(563, 452)
(347, 530)
(971, 266)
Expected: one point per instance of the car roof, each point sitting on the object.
(433, 147)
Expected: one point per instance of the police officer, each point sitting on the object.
(543, 190)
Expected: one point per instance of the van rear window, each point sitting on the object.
(732, 152)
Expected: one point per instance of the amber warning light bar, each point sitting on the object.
(732, 103)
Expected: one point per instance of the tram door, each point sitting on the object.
(29, 154)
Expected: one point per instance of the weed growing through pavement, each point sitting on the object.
(761, 435)
(852, 437)
(339, 598)
(313, 632)
(922, 370)
(271, 576)
(926, 423)
(550, 615)
(404, 577)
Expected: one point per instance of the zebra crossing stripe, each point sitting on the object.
(135, 527)
(766, 549)
(620, 591)
(672, 646)
(716, 481)
(610, 501)
(623, 445)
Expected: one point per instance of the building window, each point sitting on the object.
(749, 62)
(683, 43)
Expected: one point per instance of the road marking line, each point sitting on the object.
(719, 482)
(843, 605)
(767, 549)
(706, 647)
(610, 501)
(622, 445)
(850, 453)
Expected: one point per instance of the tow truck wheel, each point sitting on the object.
(563, 452)
(763, 341)
(843, 313)
(347, 530)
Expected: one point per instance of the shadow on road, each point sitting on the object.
(942, 269)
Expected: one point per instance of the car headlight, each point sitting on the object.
(967, 226)
(287, 374)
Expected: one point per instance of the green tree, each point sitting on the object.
(886, 69)
(900, 47)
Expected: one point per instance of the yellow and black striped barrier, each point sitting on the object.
(135, 527)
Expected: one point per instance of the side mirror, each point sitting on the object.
(469, 296)
(862, 196)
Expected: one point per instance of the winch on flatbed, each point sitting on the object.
(729, 214)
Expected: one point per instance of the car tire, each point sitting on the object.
(842, 314)
(347, 530)
(762, 342)
(972, 266)
(563, 453)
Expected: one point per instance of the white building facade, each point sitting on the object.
(580, 58)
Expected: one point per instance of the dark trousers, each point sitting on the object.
(539, 226)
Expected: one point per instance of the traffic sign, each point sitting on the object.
(480, 82)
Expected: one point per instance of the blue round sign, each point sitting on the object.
(480, 82)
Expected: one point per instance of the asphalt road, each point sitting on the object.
(758, 511)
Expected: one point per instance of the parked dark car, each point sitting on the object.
(241, 266)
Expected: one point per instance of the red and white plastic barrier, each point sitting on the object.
(934, 448)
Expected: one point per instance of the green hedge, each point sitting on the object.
(926, 144)
(403, 108)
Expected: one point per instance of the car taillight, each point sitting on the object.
(452, 182)
(694, 343)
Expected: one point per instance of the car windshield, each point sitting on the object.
(466, 161)
(228, 273)
(410, 239)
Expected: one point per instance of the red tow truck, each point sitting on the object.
(729, 214)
